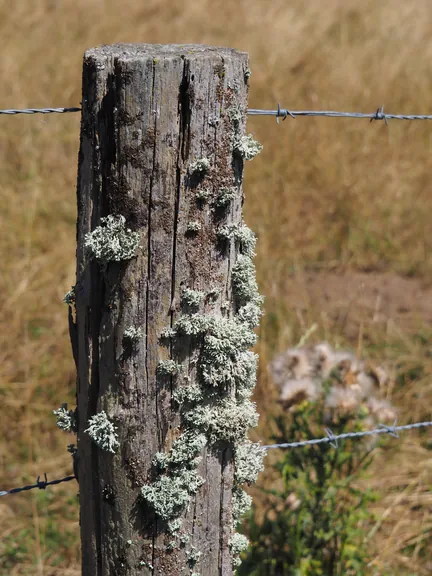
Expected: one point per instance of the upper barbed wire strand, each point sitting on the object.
(279, 113)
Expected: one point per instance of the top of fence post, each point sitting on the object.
(166, 305)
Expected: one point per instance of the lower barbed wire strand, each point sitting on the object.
(330, 438)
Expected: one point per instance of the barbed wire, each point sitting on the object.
(14, 111)
(279, 113)
(378, 115)
(331, 439)
(41, 484)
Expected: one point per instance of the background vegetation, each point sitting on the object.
(342, 209)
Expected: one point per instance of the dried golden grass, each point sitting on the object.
(329, 194)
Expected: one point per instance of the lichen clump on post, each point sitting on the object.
(65, 419)
(112, 241)
(215, 409)
(103, 432)
(247, 147)
(200, 165)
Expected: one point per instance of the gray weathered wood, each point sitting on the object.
(148, 112)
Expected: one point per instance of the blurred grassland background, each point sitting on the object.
(342, 209)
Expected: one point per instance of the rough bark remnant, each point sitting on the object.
(149, 113)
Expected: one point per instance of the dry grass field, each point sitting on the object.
(342, 209)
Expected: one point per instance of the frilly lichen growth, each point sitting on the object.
(191, 299)
(214, 400)
(112, 241)
(103, 432)
(168, 368)
(225, 197)
(193, 227)
(69, 297)
(249, 462)
(247, 147)
(132, 333)
(65, 419)
(200, 165)
(238, 543)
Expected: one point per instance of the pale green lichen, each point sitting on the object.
(69, 297)
(191, 299)
(103, 432)
(168, 334)
(244, 281)
(133, 333)
(247, 147)
(65, 419)
(241, 503)
(215, 406)
(231, 420)
(169, 495)
(225, 197)
(189, 394)
(242, 234)
(192, 324)
(238, 543)
(111, 241)
(202, 195)
(249, 462)
(193, 556)
(193, 227)
(174, 526)
(200, 165)
(168, 368)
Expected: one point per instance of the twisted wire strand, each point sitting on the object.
(279, 113)
(14, 111)
(331, 439)
(41, 484)
(378, 115)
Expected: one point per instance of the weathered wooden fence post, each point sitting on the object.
(166, 305)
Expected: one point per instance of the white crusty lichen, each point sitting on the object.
(247, 147)
(169, 495)
(242, 234)
(193, 227)
(132, 333)
(241, 503)
(238, 543)
(200, 165)
(168, 368)
(225, 197)
(103, 432)
(112, 241)
(69, 297)
(214, 398)
(202, 195)
(249, 462)
(191, 299)
(65, 419)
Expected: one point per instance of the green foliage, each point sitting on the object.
(315, 523)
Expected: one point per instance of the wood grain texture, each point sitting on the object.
(149, 111)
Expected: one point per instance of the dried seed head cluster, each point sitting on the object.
(112, 241)
(354, 388)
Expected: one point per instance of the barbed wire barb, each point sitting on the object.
(331, 439)
(40, 484)
(379, 114)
